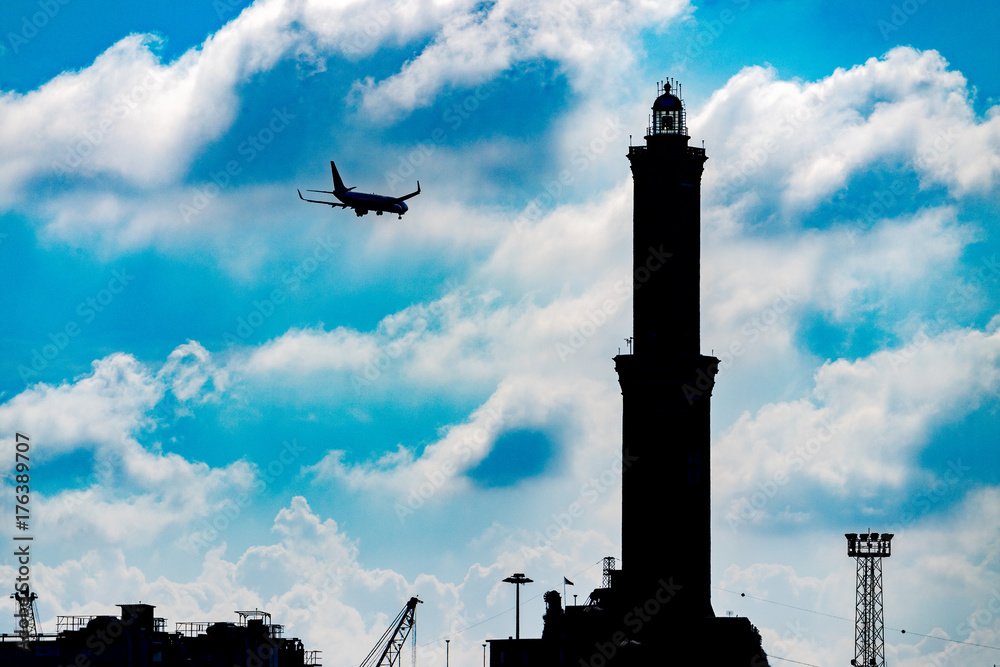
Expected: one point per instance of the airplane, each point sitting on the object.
(361, 202)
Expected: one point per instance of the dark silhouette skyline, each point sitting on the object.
(138, 638)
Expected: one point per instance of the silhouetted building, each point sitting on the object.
(139, 639)
(657, 609)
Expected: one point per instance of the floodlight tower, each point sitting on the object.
(868, 549)
(25, 615)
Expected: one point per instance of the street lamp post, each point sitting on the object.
(517, 579)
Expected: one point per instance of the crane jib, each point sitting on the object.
(390, 645)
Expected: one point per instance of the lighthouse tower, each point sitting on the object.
(666, 382)
(667, 387)
(656, 609)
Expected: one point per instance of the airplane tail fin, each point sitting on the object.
(338, 183)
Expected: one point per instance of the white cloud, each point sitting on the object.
(938, 583)
(859, 432)
(130, 120)
(587, 40)
(798, 143)
(103, 408)
(132, 493)
(190, 373)
(756, 288)
(302, 351)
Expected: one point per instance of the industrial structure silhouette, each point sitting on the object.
(137, 638)
(656, 609)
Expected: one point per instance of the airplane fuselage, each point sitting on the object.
(362, 202)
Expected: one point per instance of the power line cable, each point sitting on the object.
(849, 620)
(778, 657)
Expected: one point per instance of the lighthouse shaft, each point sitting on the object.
(666, 382)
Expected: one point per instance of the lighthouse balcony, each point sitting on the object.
(641, 150)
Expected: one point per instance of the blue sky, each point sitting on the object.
(236, 399)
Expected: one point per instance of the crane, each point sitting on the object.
(389, 646)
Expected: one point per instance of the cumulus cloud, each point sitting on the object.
(757, 290)
(103, 408)
(442, 467)
(133, 491)
(588, 41)
(806, 610)
(311, 351)
(125, 130)
(190, 373)
(796, 143)
(860, 431)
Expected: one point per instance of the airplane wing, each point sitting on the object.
(412, 194)
(317, 201)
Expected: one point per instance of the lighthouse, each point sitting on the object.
(666, 382)
(656, 609)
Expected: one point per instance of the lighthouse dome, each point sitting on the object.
(668, 114)
(668, 101)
